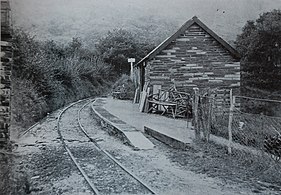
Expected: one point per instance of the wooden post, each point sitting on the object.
(131, 61)
(137, 94)
(189, 113)
(195, 110)
(209, 117)
(142, 76)
(230, 122)
(146, 104)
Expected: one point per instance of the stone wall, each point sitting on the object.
(5, 75)
(194, 59)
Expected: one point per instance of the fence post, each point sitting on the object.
(189, 113)
(195, 110)
(209, 117)
(230, 122)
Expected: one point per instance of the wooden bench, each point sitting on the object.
(154, 106)
(119, 92)
(116, 94)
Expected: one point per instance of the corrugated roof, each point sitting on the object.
(182, 29)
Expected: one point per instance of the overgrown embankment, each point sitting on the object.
(46, 76)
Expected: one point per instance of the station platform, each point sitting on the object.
(125, 117)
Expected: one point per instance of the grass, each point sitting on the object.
(13, 181)
(240, 167)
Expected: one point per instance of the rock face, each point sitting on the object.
(5, 73)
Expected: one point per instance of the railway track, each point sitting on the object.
(102, 172)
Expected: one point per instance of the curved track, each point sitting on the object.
(107, 173)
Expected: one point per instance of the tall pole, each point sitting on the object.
(131, 61)
(132, 71)
(230, 122)
(195, 111)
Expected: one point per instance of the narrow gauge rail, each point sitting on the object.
(104, 153)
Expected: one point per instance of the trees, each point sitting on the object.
(119, 45)
(260, 47)
(47, 75)
(116, 47)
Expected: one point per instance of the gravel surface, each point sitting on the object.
(106, 175)
(168, 171)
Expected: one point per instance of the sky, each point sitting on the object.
(61, 20)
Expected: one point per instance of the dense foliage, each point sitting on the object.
(119, 45)
(260, 46)
(47, 76)
(125, 86)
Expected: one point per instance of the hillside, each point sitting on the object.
(151, 19)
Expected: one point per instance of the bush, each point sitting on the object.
(118, 45)
(126, 86)
(27, 105)
(13, 181)
(47, 76)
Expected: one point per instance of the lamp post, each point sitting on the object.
(131, 61)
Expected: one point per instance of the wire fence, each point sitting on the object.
(248, 128)
(252, 124)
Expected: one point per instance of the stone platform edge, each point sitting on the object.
(111, 127)
(166, 139)
(174, 143)
(114, 129)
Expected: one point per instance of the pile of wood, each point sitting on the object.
(171, 101)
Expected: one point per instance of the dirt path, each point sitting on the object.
(49, 169)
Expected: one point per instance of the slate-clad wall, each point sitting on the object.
(194, 59)
(5, 75)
